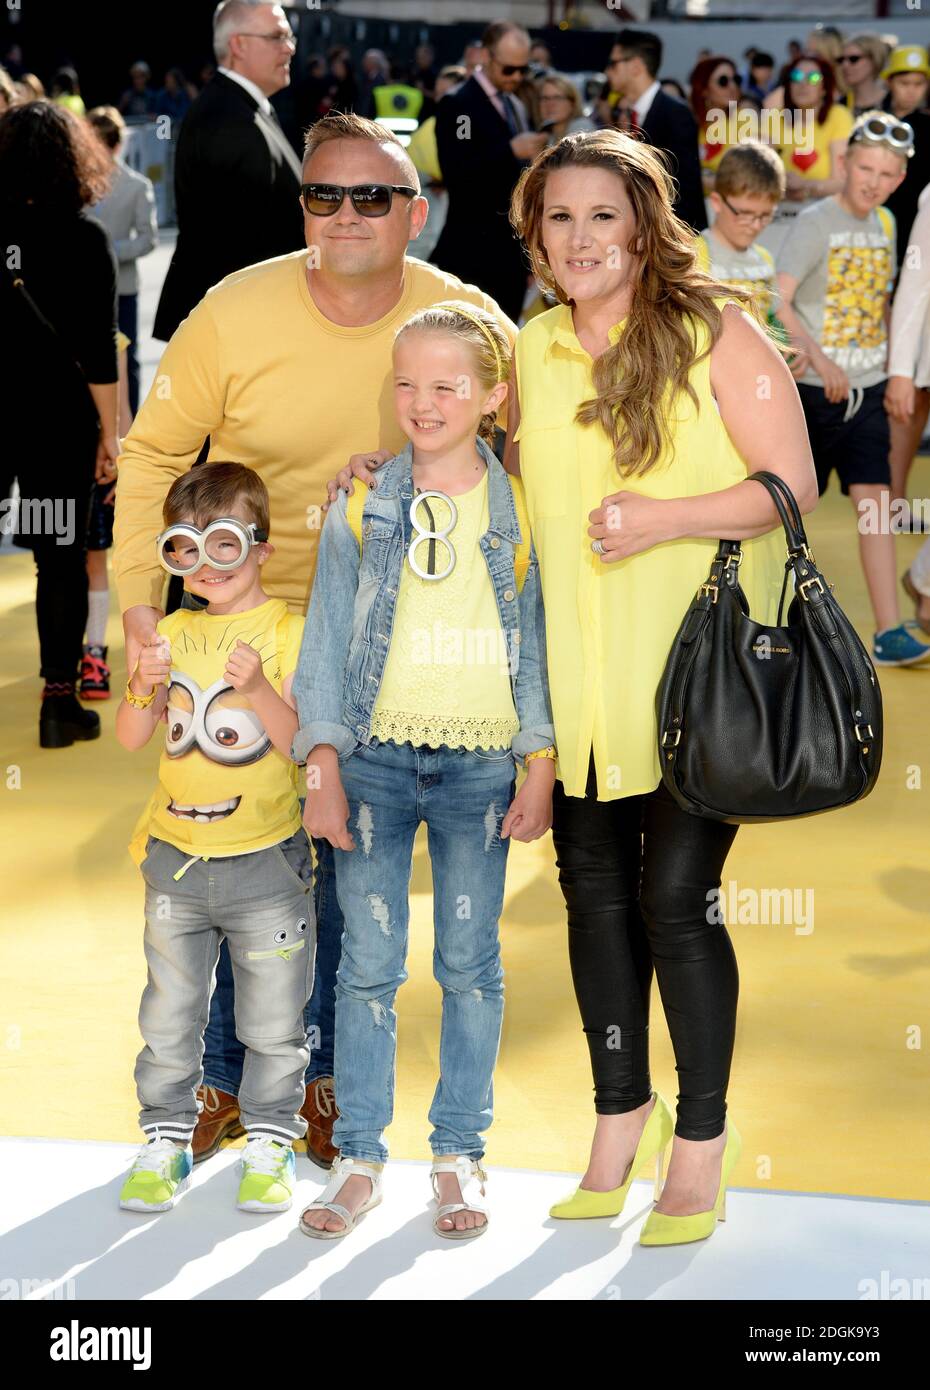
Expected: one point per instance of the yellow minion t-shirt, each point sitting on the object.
(223, 787)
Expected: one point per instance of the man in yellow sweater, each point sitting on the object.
(286, 366)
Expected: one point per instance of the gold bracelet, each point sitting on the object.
(541, 753)
(138, 701)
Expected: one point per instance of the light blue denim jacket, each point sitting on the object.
(349, 624)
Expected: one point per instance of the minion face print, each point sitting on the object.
(217, 762)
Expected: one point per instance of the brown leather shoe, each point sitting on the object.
(319, 1110)
(219, 1120)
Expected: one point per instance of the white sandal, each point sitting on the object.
(342, 1169)
(465, 1169)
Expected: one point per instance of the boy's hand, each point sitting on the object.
(835, 381)
(154, 665)
(326, 810)
(139, 628)
(900, 398)
(530, 813)
(244, 669)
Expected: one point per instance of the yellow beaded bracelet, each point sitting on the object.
(138, 701)
(541, 753)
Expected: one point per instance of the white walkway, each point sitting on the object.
(61, 1227)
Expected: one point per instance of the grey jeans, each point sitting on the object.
(262, 905)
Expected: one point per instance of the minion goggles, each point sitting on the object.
(883, 129)
(224, 545)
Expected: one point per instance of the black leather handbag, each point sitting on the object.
(763, 723)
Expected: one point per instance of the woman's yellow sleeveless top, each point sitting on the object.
(609, 627)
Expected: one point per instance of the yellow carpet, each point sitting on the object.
(829, 1081)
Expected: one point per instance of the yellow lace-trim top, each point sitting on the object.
(446, 679)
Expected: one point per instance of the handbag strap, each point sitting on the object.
(810, 586)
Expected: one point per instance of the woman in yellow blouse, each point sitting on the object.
(641, 401)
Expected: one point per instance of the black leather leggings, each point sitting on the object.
(636, 874)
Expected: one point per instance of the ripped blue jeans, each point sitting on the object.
(463, 797)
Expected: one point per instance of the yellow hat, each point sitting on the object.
(910, 58)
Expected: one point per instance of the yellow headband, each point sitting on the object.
(454, 309)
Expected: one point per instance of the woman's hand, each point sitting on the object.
(627, 523)
(244, 669)
(529, 815)
(900, 398)
(359, 466)
(108, 451)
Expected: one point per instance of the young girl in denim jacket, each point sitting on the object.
(421, 681)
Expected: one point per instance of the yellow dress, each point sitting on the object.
(609, 627)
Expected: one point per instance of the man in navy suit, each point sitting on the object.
(237, 178)
(484, 142)
(665, 122)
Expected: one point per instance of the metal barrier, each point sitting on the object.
(150, 150)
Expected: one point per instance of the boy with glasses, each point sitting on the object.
(835, 273)
(749, 185)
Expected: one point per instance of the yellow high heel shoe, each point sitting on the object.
(660, 1229)
(653, 1141)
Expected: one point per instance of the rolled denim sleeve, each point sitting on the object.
(321, 666)
(534, 709)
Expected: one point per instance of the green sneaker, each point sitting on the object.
(268, 1173)
(161, 1172)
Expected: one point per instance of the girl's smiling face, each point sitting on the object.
(437, 396)
(588, 224)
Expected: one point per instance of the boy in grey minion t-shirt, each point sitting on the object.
(835, 275)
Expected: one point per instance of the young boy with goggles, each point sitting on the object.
(835, 274)
(220, 844)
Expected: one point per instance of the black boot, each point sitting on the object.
(62, 719)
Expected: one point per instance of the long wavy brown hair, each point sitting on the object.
(637, 378)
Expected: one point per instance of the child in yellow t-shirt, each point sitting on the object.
(224, 851)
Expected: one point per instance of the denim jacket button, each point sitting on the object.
(367, 529)
(516, 639)
(508, 595)
(495, 542)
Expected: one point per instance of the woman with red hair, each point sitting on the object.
(715, 83)
(809, 127)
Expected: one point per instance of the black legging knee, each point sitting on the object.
(638, 876)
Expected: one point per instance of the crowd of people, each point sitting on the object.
(301, 334)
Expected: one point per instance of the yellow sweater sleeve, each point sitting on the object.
(184, 405)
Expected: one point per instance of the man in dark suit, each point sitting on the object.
(484, 142)
(665, 122)
(237, 178)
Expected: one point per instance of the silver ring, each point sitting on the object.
(597, 547)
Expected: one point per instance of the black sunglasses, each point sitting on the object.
(368, 199)
(726, 80)
(511, 69)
